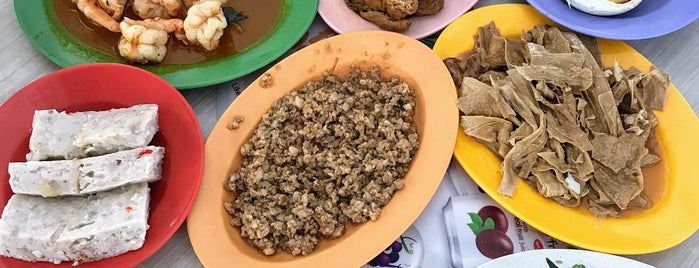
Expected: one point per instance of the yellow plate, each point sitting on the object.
(217, 244)
(672, 184)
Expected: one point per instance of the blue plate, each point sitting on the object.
(649, 19)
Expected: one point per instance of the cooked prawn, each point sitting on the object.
(204, 24)
(151, 9)
(95, 13)
(114, 8)
(141, 44)
(175, 26)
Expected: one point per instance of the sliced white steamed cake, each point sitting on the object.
(120, 168)
(118, 129)
(88, 175)
(76, 228)
(45, 178)
(30, 224)
(112, 223)
(60, 135)
(53, 133)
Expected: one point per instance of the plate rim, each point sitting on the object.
(199, 169)
(201, 215)
(542, 8)
(48, 36)
(573, 239)
(524, 255)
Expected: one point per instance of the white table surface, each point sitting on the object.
(676, 53)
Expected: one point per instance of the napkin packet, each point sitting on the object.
(472, 227)
(480, 230)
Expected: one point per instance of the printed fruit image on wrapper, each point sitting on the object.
(495, 215)
(405, 252)
(489, 225)
(479, 230)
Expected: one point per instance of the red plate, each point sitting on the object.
(103, 86)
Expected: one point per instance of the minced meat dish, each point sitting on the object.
(325, 156)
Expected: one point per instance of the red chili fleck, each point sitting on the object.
(300, 121)
(144, 152)
(129, 208)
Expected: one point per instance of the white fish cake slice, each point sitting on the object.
(30, 224)
(121, 168)
(113, 223)
(75, 228)
(45, 178)
(88, 175)
(53, 133)
(118, 129)
(60, 135)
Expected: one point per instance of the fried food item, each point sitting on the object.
(151, 9)
(429, 7)
(397, 9)
(384, 21)
(392, 15)
(204, 24)
(93, 11)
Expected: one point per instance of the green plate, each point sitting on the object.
(47, 34)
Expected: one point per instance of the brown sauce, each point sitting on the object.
(262, 15)
(655, 176)
(654, 179)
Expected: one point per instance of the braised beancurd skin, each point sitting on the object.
(577, 132)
